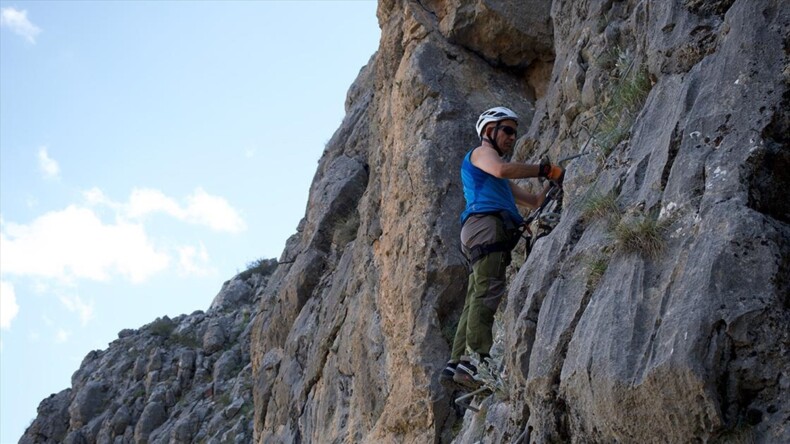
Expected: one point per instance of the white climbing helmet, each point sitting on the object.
(494, 115)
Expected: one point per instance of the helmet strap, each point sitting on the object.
(492, 141)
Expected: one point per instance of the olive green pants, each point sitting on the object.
(485, 288)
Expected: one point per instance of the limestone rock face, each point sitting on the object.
(656, 311)
(160, 383)
(52, 422)
(600, 340)
(687, 343)
(505, 33)
(349, 335)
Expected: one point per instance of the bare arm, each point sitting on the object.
(487, 159)
(525, 199)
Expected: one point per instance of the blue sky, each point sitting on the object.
(148, 152)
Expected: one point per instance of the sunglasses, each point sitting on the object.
(509, 130)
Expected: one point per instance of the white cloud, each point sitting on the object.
(95, 196)
(47, 320)
(213, 211)
(148, 201)
(41, 287)
(75, 304)
(48, 165)
(200, 208)
(194, 261)
(8, 306)
(62, 336)
(75, 243)
(18, 23)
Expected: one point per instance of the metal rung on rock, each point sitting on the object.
(462, 400)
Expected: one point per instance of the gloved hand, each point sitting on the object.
(556, 174)
(551, 172)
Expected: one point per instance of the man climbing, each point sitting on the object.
(491, 223)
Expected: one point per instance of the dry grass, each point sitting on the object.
(601, 206)
(627, 96)
(597, 265)
(643, 235)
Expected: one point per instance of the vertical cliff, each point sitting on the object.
(181, 380)
(350, 333)
(685, 339)
(682, 109)
(656, 311)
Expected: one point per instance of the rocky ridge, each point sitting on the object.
(681, 111)
(181, 380)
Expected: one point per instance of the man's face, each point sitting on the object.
(506, 135)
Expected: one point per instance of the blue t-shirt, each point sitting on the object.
(485, 193)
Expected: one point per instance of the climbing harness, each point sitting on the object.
(545, 218)
(506, 246)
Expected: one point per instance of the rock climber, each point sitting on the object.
(490, 230)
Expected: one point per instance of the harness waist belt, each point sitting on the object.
(480, 251)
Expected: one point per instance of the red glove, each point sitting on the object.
(557, 173)
(551, 172)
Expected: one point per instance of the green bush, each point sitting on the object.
(490, 376)
(189, 341)
(262, 266)
(162, 327)
(346, 230)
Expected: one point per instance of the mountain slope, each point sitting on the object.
(656, 311)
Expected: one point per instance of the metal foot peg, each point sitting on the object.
(461, 402)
